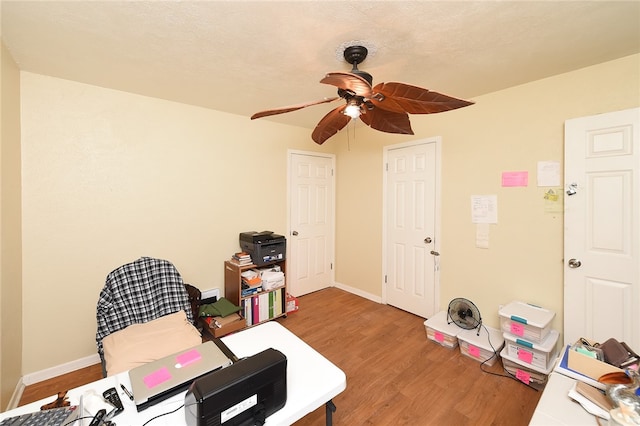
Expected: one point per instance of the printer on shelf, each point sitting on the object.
(263, 247)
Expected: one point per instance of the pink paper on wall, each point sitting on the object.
(157, 377)
(515, 178)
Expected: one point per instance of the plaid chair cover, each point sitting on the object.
(139, 292)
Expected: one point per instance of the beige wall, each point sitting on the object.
(10, 230)
(510, 130)
(109, 176)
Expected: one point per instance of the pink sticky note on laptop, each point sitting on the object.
(188, 358)
(157, 377)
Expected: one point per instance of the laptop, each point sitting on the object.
(168, 376)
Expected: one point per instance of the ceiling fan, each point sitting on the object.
(384, 107)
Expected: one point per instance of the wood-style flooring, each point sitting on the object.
(395, 376)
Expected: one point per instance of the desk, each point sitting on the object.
(556, 408)
(312, 381)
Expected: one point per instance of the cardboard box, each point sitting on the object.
(292, 304)
(588, 366)
(219, 327)
(230, 327)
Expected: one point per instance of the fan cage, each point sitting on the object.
(459, 310)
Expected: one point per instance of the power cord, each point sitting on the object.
(163, 414)
(495, 354)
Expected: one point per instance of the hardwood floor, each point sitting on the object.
(395, 376)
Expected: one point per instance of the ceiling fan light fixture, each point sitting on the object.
(353, 110)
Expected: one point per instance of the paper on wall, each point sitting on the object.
(482, 235)
(548, 173)
(484, 209)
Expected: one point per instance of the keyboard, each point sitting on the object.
(54, 417)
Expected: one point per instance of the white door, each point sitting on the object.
(411, 226)
(602, 228)
(311, 231)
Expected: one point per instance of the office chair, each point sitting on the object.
(145, 297)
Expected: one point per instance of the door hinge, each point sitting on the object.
(331, 266)
(385, 279)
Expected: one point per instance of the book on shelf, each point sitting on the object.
(239, 263)
(263, 307)
(252, 282)
(241, 258)
(250, 291)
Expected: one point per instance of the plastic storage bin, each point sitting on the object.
(526, 373)
(440, 332)
(536, 354)
(480, 347)
(525, 321)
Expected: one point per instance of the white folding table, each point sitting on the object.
(312, 381)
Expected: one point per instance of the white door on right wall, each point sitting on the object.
(602, 228)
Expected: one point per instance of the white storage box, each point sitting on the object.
(537, 354)
(528, 322)
(440, 332)
(525, 373)
(481, 347)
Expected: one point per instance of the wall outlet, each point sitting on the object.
(213, 292)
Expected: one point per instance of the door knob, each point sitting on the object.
(427, 240)
(574, 263)
(294, 233)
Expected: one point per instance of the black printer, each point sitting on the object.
(263, 247)
(242, 394)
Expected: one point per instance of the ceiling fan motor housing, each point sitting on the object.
(356, 55)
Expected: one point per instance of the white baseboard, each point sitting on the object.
(358, 292)
(17, 395)
(49, 373)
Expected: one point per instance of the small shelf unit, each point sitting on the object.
(260, 307)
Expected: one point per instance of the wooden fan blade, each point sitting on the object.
(348, 81)
(330, 124)
(387, 121)
(290, 108)
(400, 97)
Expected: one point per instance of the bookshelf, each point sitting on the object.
(259, 307)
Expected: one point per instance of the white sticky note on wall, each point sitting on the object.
(482, 235)
(549, 173)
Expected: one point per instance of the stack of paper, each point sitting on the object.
(272, 280)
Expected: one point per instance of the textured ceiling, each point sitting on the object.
(246, 56)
